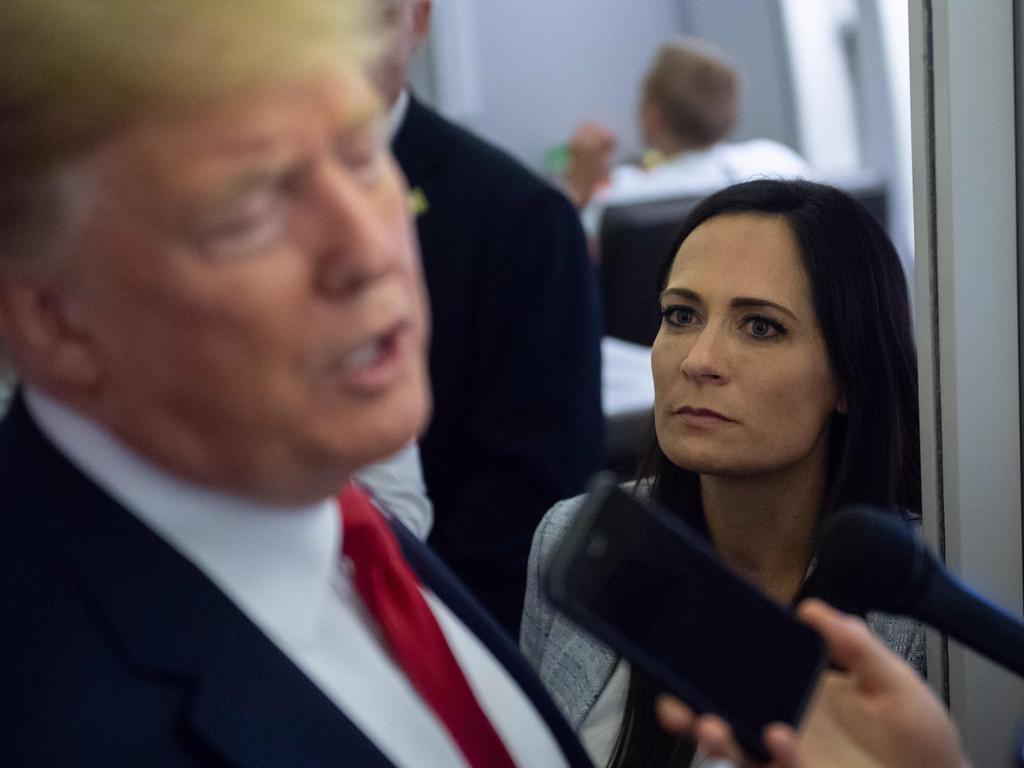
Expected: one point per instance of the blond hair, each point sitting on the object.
(72, 71)
(696, 90)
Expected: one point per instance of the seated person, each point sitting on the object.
(785, 386)
(690, 102)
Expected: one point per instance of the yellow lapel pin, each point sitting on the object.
(418, 203)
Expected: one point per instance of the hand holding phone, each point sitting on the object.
(877, 711)
(639, 579)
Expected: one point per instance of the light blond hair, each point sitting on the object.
(696, 90)
(72, 71)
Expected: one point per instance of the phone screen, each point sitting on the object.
(648, 586)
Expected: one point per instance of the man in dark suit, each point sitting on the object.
(515, 356)
(210, 291)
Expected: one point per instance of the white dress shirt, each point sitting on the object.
(397, 484)
(282, 568)
(396, 115)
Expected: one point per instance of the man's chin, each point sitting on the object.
(384, 437)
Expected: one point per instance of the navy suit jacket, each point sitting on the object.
(117, 651)
(515, 359)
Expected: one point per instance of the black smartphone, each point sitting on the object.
(651, 588)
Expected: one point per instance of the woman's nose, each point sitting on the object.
(703, 361)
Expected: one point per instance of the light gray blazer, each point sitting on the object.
(575, 667)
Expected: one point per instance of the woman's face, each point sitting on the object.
(742, 380)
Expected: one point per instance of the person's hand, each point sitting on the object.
(590, 160)
(877, 713)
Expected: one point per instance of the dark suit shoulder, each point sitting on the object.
(429, 143)
(69, 695)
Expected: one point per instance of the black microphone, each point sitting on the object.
(874, 559)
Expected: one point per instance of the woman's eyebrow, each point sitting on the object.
(754, 303)
(683, 293)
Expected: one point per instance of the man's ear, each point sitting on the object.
(39, 339)
(652, 123)
(421, 22)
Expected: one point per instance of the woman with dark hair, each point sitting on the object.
(785, 386)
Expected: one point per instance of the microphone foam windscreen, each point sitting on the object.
(870, 557)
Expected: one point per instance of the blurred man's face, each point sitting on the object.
(247, 284)
(406, 24)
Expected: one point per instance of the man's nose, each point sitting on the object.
(359, 237)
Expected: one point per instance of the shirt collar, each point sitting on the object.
(396, 115)
(686, 157)
(275, 563)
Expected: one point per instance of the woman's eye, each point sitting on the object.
(678, 316)
(763, 328)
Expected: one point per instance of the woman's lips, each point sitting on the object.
(701, 417)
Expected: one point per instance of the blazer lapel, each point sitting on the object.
(577, 669)
(249, 702)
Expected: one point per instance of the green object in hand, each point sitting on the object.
(556, 159)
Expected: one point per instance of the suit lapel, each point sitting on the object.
(248, 701)
(167, 620)
(282, 723)
(440, 580)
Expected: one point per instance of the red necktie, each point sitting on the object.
(391, 593)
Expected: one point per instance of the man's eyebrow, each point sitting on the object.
(247, 181)
(354, 120)
(368, 116)
(276, 164)
(269, 162)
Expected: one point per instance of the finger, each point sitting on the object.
(850, 643)
(585, 129)
(714, 737)
(593, 132)
(780, 741)
(674, 716)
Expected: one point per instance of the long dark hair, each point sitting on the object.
(862, 307)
